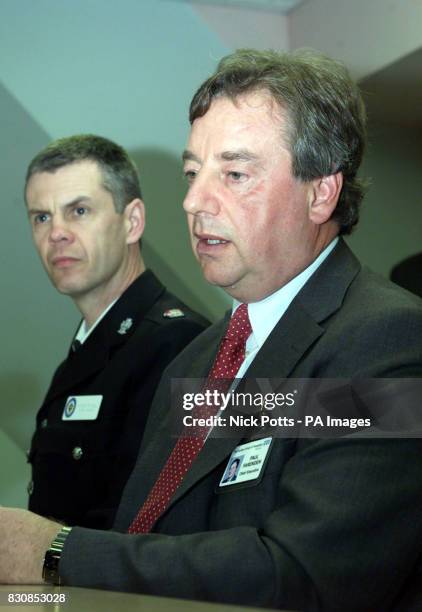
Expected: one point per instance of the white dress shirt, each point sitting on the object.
(84, 331)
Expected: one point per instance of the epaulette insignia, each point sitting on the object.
(173, 313)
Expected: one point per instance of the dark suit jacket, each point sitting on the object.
(334, 524)
(79, 468)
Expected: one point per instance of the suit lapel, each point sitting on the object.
(288, 342)
(277, 357)
(324, 293)
(303, 322)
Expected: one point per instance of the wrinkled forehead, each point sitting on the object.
(254, 100)
(250, 120)
(82, 177)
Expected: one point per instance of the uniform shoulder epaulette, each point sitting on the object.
(173, 313)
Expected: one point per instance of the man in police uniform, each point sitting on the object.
(87, 217)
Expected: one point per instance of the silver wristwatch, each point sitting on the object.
(50, 570)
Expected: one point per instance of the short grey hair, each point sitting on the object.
(119, 174)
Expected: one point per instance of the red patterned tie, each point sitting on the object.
(230, 356)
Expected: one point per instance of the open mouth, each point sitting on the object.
(209, 244)
(215, 241)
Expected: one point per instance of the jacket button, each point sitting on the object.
(77, 453)
(44, 423)
(30, 487)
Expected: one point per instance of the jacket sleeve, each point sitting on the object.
(345, 534)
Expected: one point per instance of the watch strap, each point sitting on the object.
(50, 571)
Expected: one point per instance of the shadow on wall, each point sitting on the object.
(14, 479)
(408, 274)
(36, 322)
(166, 242)
(17, 391)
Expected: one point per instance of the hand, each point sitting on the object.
(24, 538)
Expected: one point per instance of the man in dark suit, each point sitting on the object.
(87, 217)
(320, 524)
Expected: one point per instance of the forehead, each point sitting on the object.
(254, 118)
(75, 179)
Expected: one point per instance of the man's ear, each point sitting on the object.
(135, 220)
(325, 192)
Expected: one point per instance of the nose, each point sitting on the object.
(59, 231)
(203, 197)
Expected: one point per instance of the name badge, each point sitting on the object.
(246, 463)
(82, 407)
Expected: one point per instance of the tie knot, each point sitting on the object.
(240, 326)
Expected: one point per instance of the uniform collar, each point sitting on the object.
(120, 318)
(83, 333)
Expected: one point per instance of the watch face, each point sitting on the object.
(50, 572)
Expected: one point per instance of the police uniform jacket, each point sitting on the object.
(79, 467)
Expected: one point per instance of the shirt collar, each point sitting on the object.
(265, 314)
(83, 332)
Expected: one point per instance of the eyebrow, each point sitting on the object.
(238, 155)
(189, 156)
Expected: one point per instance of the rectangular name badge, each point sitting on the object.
(246, 463)
(82, 407)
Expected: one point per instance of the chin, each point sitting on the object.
(67, 288)
(223, 282)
